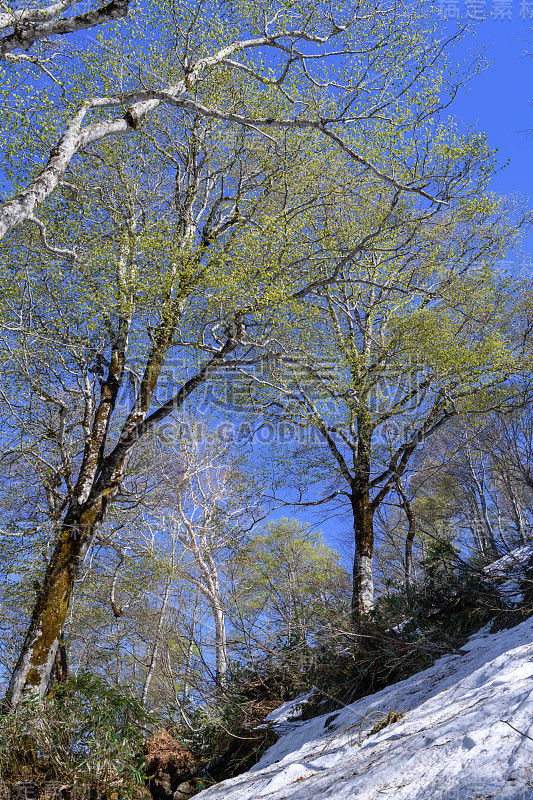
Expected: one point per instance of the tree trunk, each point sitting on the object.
(155, 648)
(363, 582)
(479, 487)
(517, 513)
(221, 656)
(411, 533)
(190, 647)
(37, 657)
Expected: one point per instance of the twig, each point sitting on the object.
(516, 729)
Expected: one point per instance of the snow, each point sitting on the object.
(281, 718)
(509, 571)
(463, 736)
(519, 557)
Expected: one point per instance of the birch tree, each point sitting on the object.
(24, 27)
(472, 468)
(203, 496)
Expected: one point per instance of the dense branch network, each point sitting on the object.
(140, 104)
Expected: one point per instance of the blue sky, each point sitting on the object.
(499, 100)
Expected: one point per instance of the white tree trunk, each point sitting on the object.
(221, 657)
(155, 649)
(363, 568)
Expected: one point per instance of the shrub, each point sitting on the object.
(85, 731)
(406, 632)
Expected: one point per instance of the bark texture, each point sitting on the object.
(363, 582)
(40, 649)
(24, 36)
(411, 533)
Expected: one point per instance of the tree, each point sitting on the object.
(204, 498)
(411, 532)
(288, 589)
(415, 334)
(470, 479)
(167, 267)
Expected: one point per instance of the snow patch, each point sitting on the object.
(290, 710)
(510, 570)
(464, 735)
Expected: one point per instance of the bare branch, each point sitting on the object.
(55, 251)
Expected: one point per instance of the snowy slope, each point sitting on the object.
(509, 571)
(515, 561)
(453, 743)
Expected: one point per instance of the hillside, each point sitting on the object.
(464, 735)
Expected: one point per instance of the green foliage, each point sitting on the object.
(440, 559)
(84, 731)
(289, 583)
(453, 602)
(229, 736)
(232, 735)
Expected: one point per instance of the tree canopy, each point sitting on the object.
(214, 191)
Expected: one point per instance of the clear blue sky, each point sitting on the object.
(499, 100)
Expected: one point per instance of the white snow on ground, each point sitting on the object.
(455, 741)
(519, 557)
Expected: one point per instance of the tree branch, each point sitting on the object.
(25, 33)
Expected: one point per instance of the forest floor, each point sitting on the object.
(465, 733)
